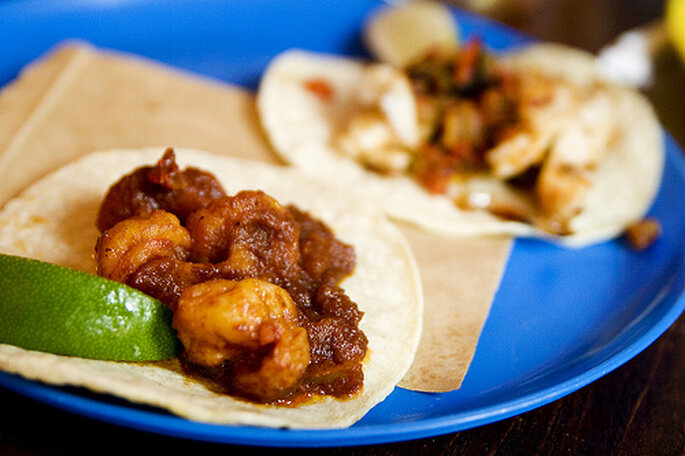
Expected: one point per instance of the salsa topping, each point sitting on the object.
(320, 87)
(254, 285)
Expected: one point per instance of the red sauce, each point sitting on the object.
(248, 235)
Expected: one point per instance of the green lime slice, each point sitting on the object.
(54, 309)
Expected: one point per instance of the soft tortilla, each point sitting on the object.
(77, 99)
(54, 220)
(301, 126)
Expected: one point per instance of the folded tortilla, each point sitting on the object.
(54, 220)
(77, 98)
(301, 127)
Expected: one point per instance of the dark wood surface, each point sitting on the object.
(638, 409)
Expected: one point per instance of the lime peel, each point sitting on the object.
(54, 309)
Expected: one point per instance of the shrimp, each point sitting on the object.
(129, 244)
(250, 234)
(251, 324)
(162, 186)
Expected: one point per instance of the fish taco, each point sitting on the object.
(533, 142)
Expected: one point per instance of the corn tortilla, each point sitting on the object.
(52, 107)
(301, 127)
(54, 220)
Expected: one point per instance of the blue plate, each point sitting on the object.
(561, 319)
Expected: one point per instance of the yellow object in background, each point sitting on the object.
(675, 24)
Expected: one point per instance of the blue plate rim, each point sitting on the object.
(132, 416)
(159, 422)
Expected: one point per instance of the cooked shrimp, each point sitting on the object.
(251, 323)
(250, 233)
(162, 186)
(122, 249)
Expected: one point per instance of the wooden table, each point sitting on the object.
(639, 409)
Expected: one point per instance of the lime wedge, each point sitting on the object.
(398, 34)
(54, 309)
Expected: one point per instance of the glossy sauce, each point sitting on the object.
(248, 235)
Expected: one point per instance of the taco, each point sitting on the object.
(55, 220)
(530, 143)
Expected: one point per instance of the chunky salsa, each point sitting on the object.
(466, 105)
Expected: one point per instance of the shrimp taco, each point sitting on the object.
(295, 306)
(530, 143)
